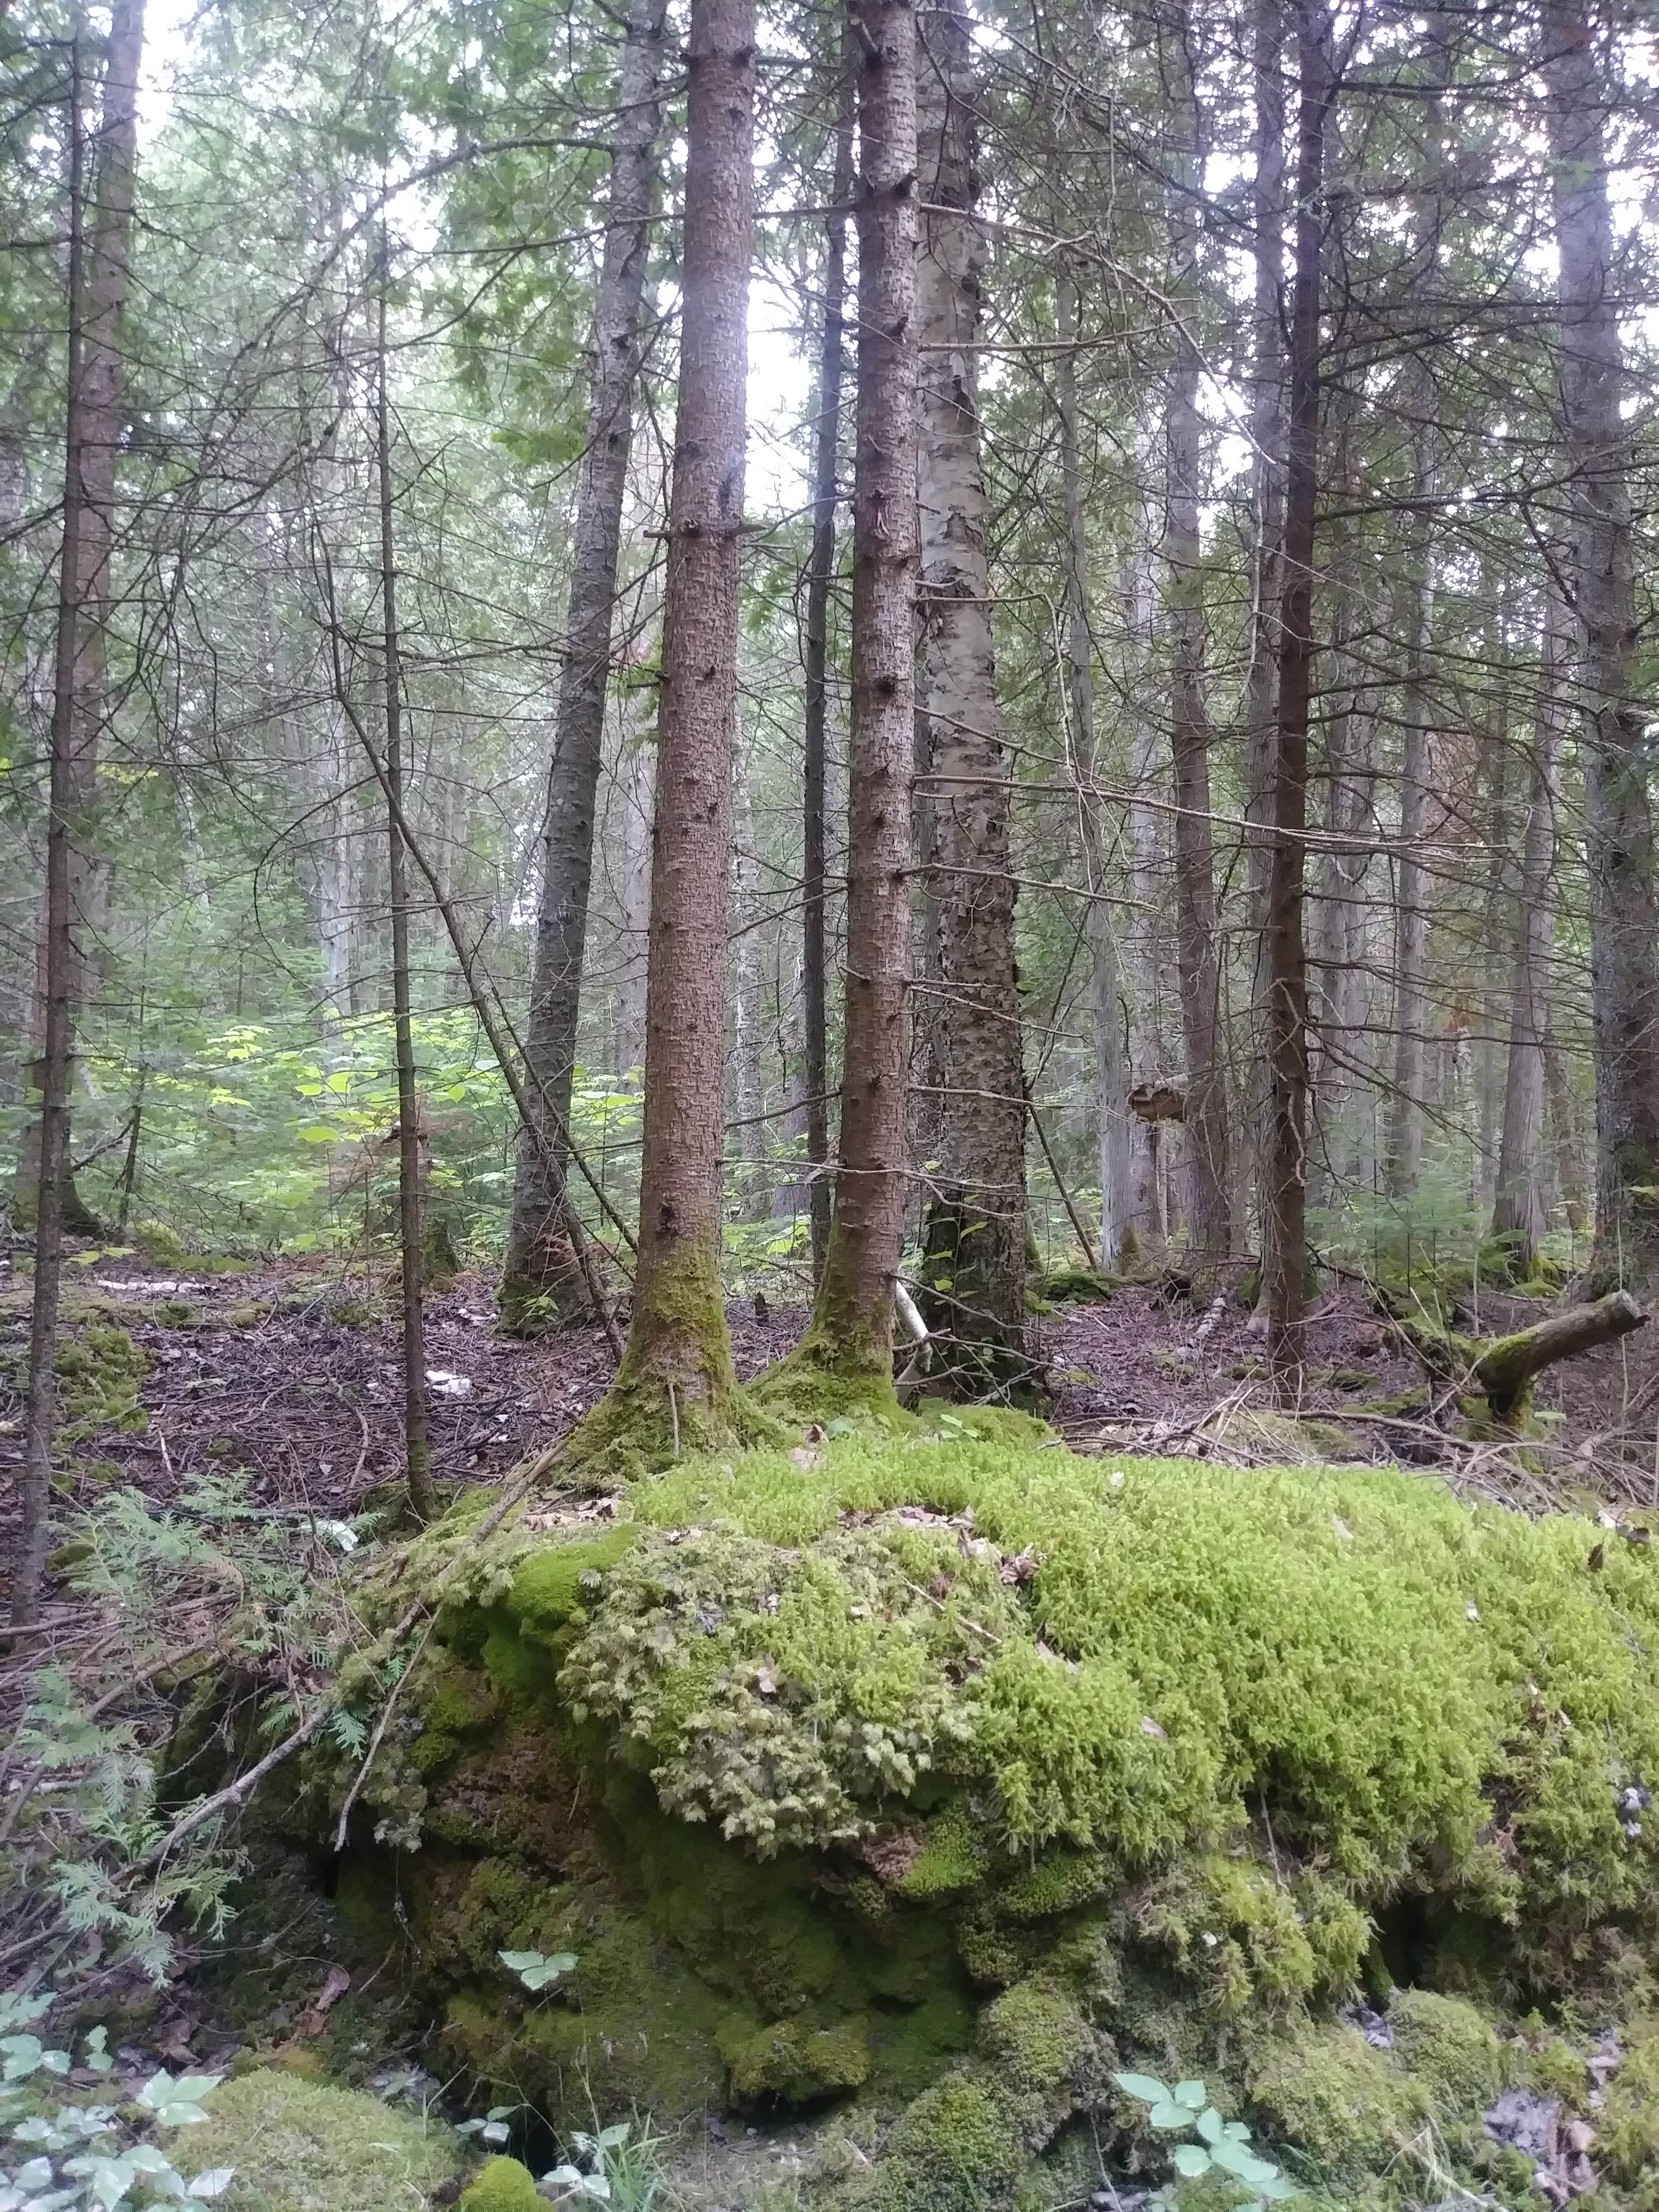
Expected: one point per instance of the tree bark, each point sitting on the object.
(852, 1330)
(1209, 1199)
(974, 1237)
(1405, 1141)
(1505, 1371)
(1612, 716)
(1518, 1213)
(636, 783)
(748, 999)
(538, 1277)
(106, 279)
(676, 1377)
(1117, 1234)
(1266, 502)
(1287, 1038)
(826, 451)
(59, 954)
(417, 1449)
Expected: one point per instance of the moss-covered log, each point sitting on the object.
(1505, 1371)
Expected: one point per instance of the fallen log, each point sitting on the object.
(1503, 1372)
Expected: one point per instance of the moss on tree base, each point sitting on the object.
(939, 1771)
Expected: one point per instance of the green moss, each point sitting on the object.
(1063, 1284)
(1627, 2127)
(1245, 1937)
(798, 2061)
(951, 2152)
(501, 2185)
(1449, 2047)
(1324, 2089)
(100, 1369)
(298, 2146)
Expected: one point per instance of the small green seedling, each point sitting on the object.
(538, 1970)
(1223, 2146)
(492, 2129)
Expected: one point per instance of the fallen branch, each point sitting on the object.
(1505, 1371)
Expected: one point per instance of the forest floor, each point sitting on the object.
(292, 1373)
(295, 1374)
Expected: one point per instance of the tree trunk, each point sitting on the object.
(675, 1383)
(1405, 1143)
(1518, 1213)
(826, 450)
(636, 779)
(59, 961)
(852, 1330)
(1146, 1058)
(1613, 716)
(1117, 1234)
(101, 400)
(417, 1451)
(1266, 503)
(748, 1010)
(1568, 1169)
(1287, 1007)
(1209, 1199)
(538, 1276)
(973, 1238)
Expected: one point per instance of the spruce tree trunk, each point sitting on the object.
(100, 403)
(1268, 505)
(1147, 1057)
(826, 451)
(1405, 1141)
(1518, 1211)
(636, 786)
(1286, 1039)
(1117, 1234)
(539, 1279)
(748, 1009)
(974, 1237)
(1209, 1198)
(417, 1451)
(1613, 716)
(852, 1330)
(676, 1385)
(58, 960)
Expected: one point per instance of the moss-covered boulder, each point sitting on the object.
(300, 2146)
(944, 1770)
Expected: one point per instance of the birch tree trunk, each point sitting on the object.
(852, 1330)
(1518, 1214)
(676, 1385)
(974, 1259)
(540, 1279)
(1208, 1205)
(1611, 716)
(1286, 1039)
(100, 401)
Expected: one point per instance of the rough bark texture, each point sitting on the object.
(1612, 719)
(748, 1009)
(974, 1260)
(826, 449)
(539, 1278)
(1518, 1214)
(1209, 1200)
(852, 1329)
(1505, 1372)
(57, 957)
(417, 1451)
(1286, 1039)
(99, 402)
(1117, 1236)
(1146, 1058)
(1267, 506)
(676, 1384)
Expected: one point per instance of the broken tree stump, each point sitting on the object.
(1503, 1372)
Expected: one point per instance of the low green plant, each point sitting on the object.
(1223, 2147)
(538, 1970)
(623, 2169)
(97, 2156)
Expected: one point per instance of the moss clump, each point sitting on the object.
(100, 1369)
(298, 2146)
(501, 2185)
(1063, 1286)
(1627, 2127)
(798, 2061)
(1246, 1936)
(1449, 2047)
(1323, 2089)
